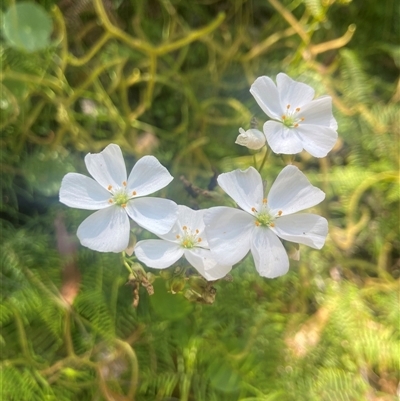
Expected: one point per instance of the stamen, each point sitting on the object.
(288, 106)
(280, 213)
(253, 209)
(123, 205)
(296, 125)
(272, 225)
(257, 224)
(133, 193)
(302, 119)
(297, 109)
(109, 187)
(124, 183)
(283, 117)
(189, 237)
(110, 201)
(265, 201)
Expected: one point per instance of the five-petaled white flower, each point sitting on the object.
(187, 238)
(297, 121)
(232, 232)
(252, 138)
(117, 197)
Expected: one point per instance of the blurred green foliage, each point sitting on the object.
(171, 78)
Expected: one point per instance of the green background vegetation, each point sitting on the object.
(171, 78)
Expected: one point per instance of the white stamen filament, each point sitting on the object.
(190, 238)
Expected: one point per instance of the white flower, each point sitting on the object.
(117, 197)
(298, 122)
(252, 138)
(187, 239)
(232, 233)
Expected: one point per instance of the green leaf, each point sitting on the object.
(223, 377)
(46, 169)
(169, 306)
(27, 26)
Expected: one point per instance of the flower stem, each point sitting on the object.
(267, 153)
(125, 263)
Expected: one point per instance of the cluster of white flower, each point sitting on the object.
(215, 239)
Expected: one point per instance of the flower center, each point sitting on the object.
(120, 196)
(291, 118)
(264, 218)
(189, 238)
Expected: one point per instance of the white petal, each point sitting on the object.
(244, 187)
(252, 138)
(307, 229)
(107, 167)
(269, 255)
(192, 219)
(318, 112)
(266, 94)
(282, 139)
(158, 253)
(83, 192)
(203, 261)
(228, 233)
(292, 192)
(317, 140)
(147, 176)
(293, 93)
(154, 214)
(333, 123)
(106, 230)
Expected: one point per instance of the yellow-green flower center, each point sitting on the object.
(264, 218)
(291, 118)
(121, 198)
(189, 239)
(288, 121)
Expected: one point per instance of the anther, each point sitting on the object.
(124, 183)
(199, 240)
(253, 209)
(257, 224)
(109, 187)
(110, 201)
(178, 236)
(283, 117)
(298, 109)
(296, 125)
(280, 213)
(288, 106)
(265, 200)
(124, 205)
(302, 119)
(272, 225)
(197, 231)
(184, 228)
(133, 193)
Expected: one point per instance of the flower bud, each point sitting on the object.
(166, 274)
(150, 277)
(252, 138)
(177, 284)
(197, 284)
